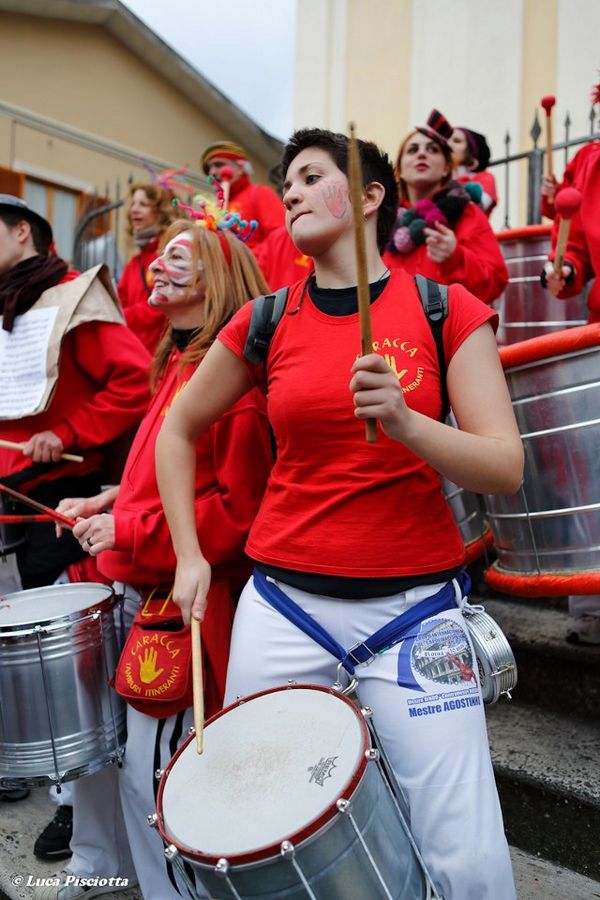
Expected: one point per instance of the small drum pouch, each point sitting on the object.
(154, 672)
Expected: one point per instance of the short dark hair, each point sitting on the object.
(375, 164)
(11, 218)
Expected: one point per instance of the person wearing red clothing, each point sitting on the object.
(201, 278)
(280, 260)
(471, 156)
(354, 534)
(439, 232)
(251, 201)
(150, 212)
(101, 392)
(581, 265)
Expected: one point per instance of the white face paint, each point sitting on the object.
(173, 273)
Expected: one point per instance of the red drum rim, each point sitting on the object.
(267, 851)
(547, 346)
(527, 231)
(550, 584)
(475, 549)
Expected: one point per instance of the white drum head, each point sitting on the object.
(45, 604)
(272, 766)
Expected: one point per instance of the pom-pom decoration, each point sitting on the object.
(434, 216)
(416, 230)
(218, 219)
(474, 190)
(547, 103)
(402, 240)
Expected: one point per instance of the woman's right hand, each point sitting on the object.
(556, 281)
(190, 590)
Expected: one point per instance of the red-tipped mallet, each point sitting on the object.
(547, 103)
(567, 203)
(226, 177)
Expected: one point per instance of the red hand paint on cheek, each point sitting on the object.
(335, 197)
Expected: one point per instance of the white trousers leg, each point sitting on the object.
(99, 844)
(428, 714)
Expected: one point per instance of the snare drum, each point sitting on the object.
(289, 800)
(59, 719)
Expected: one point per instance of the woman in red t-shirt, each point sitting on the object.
(354, 534)
(440, 233)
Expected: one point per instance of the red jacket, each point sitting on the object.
(134, 289)
(280, 260)
(101, 392)
(256, 201)
(583, 247)
(233, 460)
(476, 263)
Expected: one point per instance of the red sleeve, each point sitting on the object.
(112, 358)
(242, 459)
(269, 208)
(465, 314)
(234, 335)
(477, 262)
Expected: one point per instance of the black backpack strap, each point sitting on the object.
(267, 312)
(434, 298)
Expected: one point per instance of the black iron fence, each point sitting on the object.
(534, 161)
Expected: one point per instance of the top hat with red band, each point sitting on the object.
(437, 127)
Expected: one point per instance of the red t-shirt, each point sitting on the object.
(335, 504)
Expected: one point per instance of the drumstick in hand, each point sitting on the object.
(197, 684)
(362, 278)
(547, 103)
(13, 445)
(22, 498)
(567, 202)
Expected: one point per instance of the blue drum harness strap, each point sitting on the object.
(363, 652)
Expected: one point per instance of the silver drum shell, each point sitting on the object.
(525, 308)
(59, 719)
(495, 659)
(553, 524)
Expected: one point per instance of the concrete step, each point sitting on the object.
(547, 767)
(536, 879)
(553, 674)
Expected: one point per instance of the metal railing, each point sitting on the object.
(535, 164)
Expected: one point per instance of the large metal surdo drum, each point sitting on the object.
(288, 800)
(59, 719)
(547, 535)
(469, 514)
(526, 309)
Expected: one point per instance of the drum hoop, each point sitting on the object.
(267, 851)
(19, 629)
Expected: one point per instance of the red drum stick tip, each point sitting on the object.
(547, 103)
(567, 202)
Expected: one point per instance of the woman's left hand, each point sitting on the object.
(441, 242)
(378, 395)
(96, 533)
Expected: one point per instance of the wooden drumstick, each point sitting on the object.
(568, 202)
(197, 685)
(362, 278)
(13, 445)
(22, 498)
(226, 177)
(547, 103)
